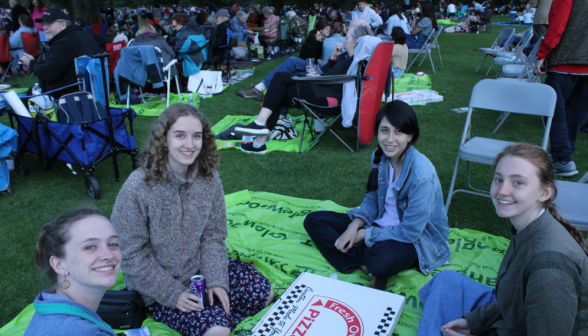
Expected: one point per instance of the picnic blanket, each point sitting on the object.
(410, 82)
(267, 229)
(292, 145)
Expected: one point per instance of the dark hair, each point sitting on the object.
(337, 28)
(427, 10)
(322, 24)
(395, 9)
(539, 158)
(180, 18)
(26, 20)
(398, 35)
(403, 118)
(32, 7)
(54, 236)
(155, 155)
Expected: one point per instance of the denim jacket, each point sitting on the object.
(419, 202)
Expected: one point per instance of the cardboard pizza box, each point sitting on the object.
(316, 306)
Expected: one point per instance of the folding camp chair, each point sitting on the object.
(486, 20)
(32, 46)
(369, 82)
(571, 203)
(97, 28)
(5, 57)
(214, 60)
(506, 96)
(506, 35)
(516, 57)
(114, 50)
(424, 49)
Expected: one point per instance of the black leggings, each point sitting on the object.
(282, 90)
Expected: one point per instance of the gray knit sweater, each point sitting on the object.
(170, 232)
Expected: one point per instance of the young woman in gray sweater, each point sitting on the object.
(171, 219)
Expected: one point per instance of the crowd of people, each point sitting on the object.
(169, 219)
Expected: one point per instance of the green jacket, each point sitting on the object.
(542, 285)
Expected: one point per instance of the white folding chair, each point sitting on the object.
(424, 49)
(435, 44)
(506, 35)
(506, 96)
(571, 202)
(516, 57)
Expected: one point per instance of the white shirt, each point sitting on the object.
(390, 215)
(528, 18)
(394, 21)
(451, 8)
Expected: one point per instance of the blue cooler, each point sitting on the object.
(513, 15)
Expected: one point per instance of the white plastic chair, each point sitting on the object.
(571, 203)
(505, 34)
(506, 96)
(435, 44)
(516, 57)
(424, 49)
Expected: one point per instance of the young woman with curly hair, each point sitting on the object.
(541, 285)
(171, 218)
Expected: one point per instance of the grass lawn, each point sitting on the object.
(328, 171)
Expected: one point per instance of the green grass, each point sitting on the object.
(328, 171)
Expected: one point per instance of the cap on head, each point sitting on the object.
(222, 12)
(52, 15)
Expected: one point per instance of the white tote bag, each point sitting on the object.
(206, 82)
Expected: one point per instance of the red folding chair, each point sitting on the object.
(369, 81)
(32, 46)
(114, 49)
(5, 57)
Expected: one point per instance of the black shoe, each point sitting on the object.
(252, 129)
(247, 147)
(379, 282)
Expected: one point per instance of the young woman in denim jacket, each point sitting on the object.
(401, 223)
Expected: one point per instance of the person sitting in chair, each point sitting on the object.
(239, 27)
(222, 25)
(26, 26)
(58, 68)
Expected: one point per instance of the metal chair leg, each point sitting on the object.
(451, 186)
(439, 52)
(489, 68)
(483, 59)
(431, 59)
(467, 177)
(501, 120)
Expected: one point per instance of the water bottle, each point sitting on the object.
(191, 100)
(36, 90)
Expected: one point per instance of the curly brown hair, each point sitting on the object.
(180, 18)
(155, 154)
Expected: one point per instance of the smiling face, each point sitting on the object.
(517, 192)
(184, 142)
(361, 6)
(53, 28)
(92, 255)
(326, 32)
(391, 140)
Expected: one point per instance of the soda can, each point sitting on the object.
(198, 288)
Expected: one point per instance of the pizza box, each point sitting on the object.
(316, 306)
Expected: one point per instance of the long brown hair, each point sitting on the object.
(54, 236)
(155, 154)
(539, 158)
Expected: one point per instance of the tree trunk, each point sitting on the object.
(89, 10)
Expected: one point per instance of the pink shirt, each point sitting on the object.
(37, 15)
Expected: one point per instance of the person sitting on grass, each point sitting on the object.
(472, 18)
(283, 89)
(542, 280)
(172, 223)
(401, 223)
(79, 254)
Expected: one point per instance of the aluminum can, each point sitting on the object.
(198, 288)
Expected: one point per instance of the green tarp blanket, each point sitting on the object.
(446, 22)
(267, 229)
(409, 82)
(292, 145)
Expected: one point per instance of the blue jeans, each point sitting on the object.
(240, 37)
(447, 297)
(291, 64)
(415, 41)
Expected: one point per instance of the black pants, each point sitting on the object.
(571, 113)
(385, 258)
(282, 90)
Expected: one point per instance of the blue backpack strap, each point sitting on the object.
(62, 308)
